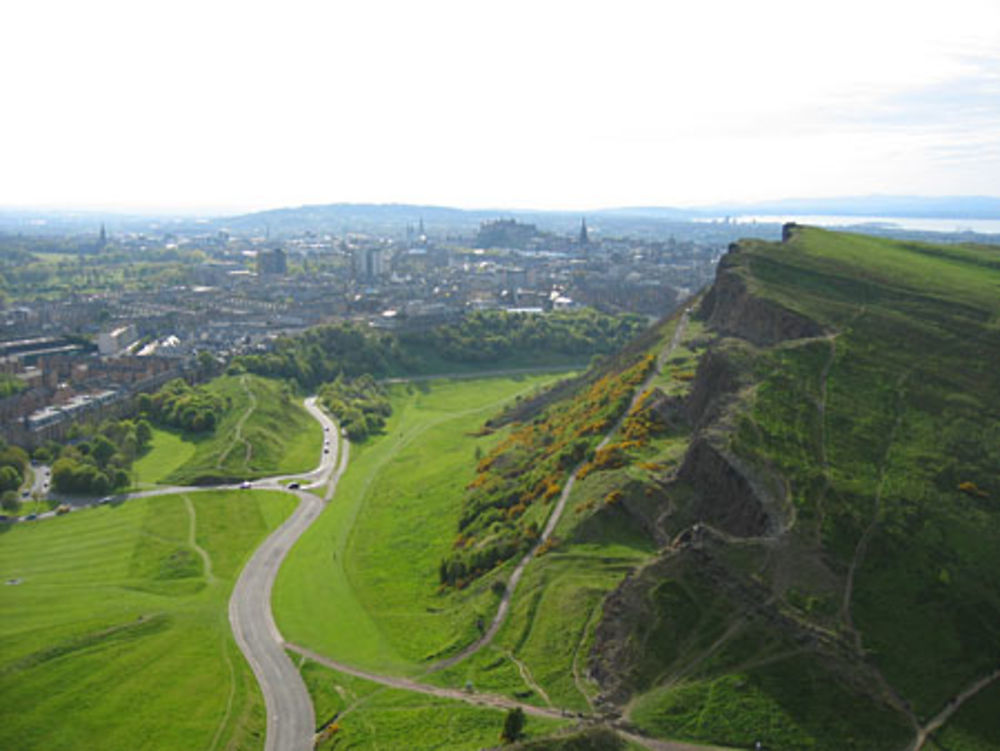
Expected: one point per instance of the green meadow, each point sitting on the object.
(361, 585)
(115, 632)
(264, 431)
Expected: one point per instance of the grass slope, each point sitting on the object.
(884, 434)
(264, 431)
(116, 635)
(361, 585)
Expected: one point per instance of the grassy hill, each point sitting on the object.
(115, 632)
(835, 522)
(263, 431)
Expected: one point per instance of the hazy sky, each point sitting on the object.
(237, 105)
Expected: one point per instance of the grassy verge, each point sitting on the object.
(115, 634)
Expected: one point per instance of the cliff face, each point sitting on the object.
(726, 497)
(731, 309)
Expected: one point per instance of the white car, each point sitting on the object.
(245, 485)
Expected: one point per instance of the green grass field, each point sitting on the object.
(264, 431)
(368, 567)
(115, 632)
(169, 451)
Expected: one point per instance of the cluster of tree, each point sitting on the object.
(360, 405)
(180, 405)
(98, 460)
(531, 466)
(324, 353)
(490, 335)
(13, 467)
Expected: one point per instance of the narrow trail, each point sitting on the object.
(556, 515)
(529, 679)
(238, 430)
(823, 458)
(229, 699)
(932, 725)
(862, 546)
(406, 684)
(578, 680)
(206, 559)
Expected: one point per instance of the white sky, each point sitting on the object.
(239, 105)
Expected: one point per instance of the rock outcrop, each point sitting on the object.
(731, 309)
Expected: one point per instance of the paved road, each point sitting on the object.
(290, 718)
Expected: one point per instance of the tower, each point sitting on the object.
(584, 239)
(102, 238)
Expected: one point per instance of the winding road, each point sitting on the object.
(290, 718)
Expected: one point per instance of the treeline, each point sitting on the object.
(99, 458)
(323, 353)
(360, 405)
(179, 405)
(489, 335)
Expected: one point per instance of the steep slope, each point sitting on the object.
(834, 526)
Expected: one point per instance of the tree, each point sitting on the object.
(513, 725)
(10, 478)
(143, 433)
(9, 501)
(102, 450)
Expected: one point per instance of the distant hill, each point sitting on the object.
(395, 217)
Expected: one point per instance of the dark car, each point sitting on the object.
(293, 486)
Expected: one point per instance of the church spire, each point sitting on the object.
(584, 238)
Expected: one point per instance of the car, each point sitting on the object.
(104, 501)
(31, 517)
(326, 451)
(4, 518)
(245, 485)
(25, 493)
(294, 486)
(63, 509)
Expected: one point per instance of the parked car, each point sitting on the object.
(293, 486)
(245, 485)
(31, 517)
(63, 509)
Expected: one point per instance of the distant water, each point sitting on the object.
(984, 226)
